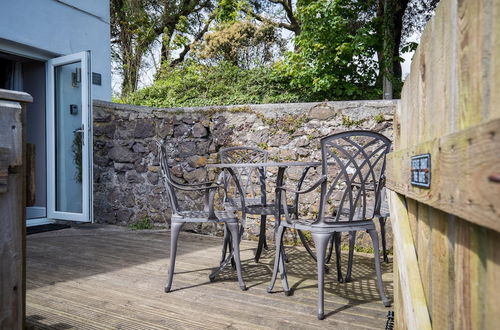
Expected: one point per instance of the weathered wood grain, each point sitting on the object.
(461, 165)
(12, 209)
(114, 279)
(7, 94)
(449, 108)
(11, 130)
(416, 314)
(4, 169)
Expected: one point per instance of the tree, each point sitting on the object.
(131, 36)
(242, 43)
(137, 24)
(335, 54)
(399, 20)
(281, 13)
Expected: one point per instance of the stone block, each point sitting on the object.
(177, 171)
(198, 175)
(123, 155)
(123, 167)
(186, 148)
(101, 114)
(134, 177)
(278, 140)
(197, 161)
(164, 129)
(144, 129)
(153, 177)
(182, 130)
(140, 166)
(199, 130)
(139, 147)
(322, 111)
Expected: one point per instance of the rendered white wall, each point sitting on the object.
(61, 27)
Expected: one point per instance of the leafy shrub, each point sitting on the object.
(196, 84)
(144, 223)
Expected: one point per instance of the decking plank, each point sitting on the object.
(98, 280)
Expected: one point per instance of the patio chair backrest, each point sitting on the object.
(249, 177)
(169, 183)
(354, 164)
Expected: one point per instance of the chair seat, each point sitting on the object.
(202, 216)
(330, 225)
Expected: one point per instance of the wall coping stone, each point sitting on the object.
(351, 108)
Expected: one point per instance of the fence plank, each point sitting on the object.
(412, 291)
(461, 165)
(449, 108)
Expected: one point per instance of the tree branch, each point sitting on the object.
(187, 47)
(263, 19)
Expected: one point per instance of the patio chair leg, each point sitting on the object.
(338, 256)
(277, 257)
(321, 242)
(233, 228)
(374, 236)
(382, 221)
(330, 250)
(262, 238)
(352, 241)
(225, 245)
(174, 235)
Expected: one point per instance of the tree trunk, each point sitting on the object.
(391, 11)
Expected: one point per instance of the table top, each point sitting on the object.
(267, 164)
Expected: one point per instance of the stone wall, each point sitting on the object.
(127, 180)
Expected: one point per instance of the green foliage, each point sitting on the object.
(76, 149)
(196, 84)
(263, 145)
(336, 48)
(242, 43)
(144, 223)
(379, 118)
(348, 121)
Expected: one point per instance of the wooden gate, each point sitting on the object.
(446, 237)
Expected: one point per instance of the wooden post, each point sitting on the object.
(12, 209)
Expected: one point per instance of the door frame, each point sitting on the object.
(87, 182)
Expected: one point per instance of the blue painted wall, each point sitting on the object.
(61, 27)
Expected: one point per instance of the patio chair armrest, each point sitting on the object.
(201, 184)
(195, 187)
(304, 191)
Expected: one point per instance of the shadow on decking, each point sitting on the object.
(114, 279)
(67, 254)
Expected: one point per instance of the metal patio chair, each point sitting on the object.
(353, 165)
(253, 184)
(253, 187)
(208, 214)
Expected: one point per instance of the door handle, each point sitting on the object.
(80, 130)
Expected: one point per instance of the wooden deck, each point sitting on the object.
(98, 277)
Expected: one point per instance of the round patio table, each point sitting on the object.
(265, 209)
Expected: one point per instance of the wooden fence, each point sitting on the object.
(12, 208)
(446, 237)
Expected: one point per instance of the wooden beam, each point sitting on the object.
(462, 164)
(7, 94)
(412, 290)
(4, 169)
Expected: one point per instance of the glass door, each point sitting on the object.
(69, 138)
